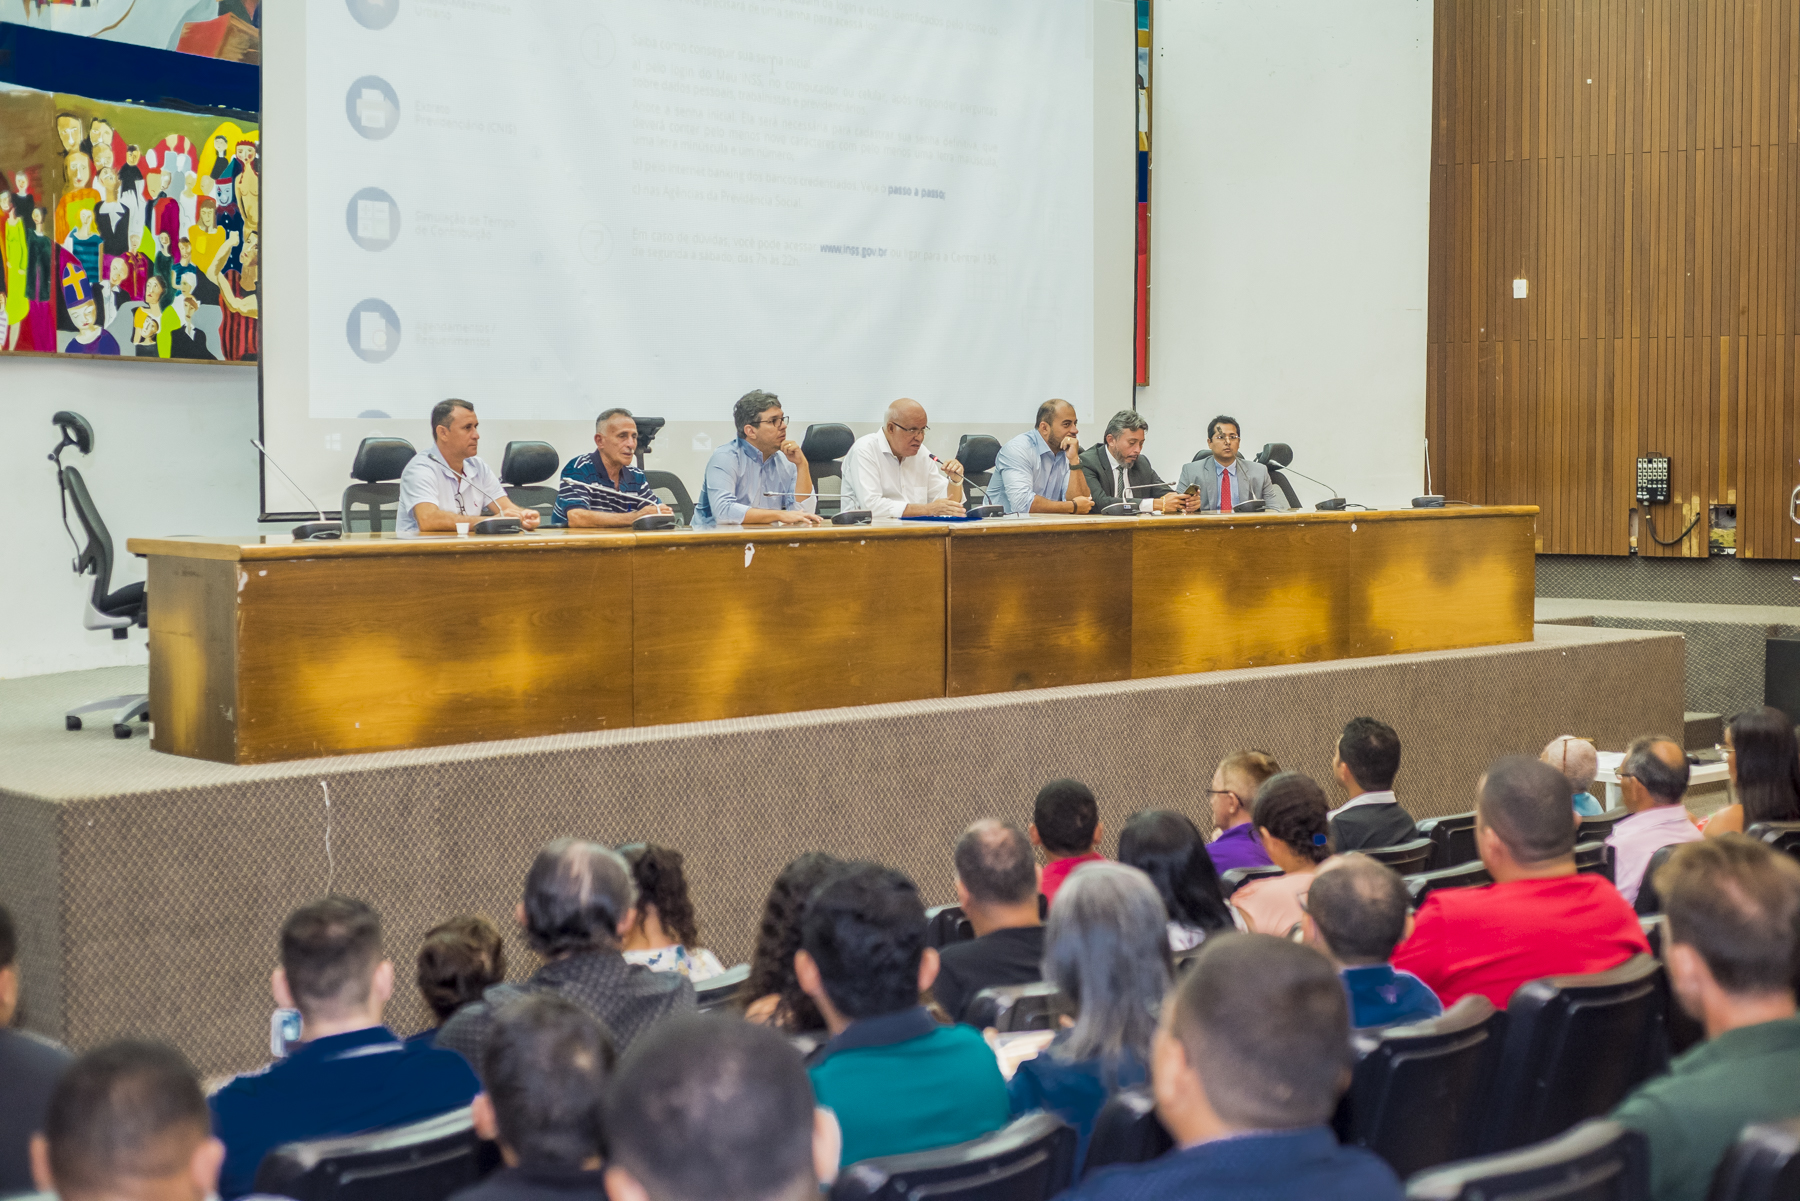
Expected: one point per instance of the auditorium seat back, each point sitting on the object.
(370, 504)
(1462, 875)
(945, 924)
(1032, 1159)
(1596, 1161)
(1453, 836)
(423, 1161)
(1405, 857)
(522, 468)
(1593, 859)
(1127, 1130)
(825, 447)
(721, 992)
(1416, 1090)
(1783, 836)
(1595, 829)
(1574, 1047)
(1763, 1165)
(1010, 1008)
(1682, 1031)
(1648, 902)
(1234, 879)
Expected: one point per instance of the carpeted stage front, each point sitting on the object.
(148, 889)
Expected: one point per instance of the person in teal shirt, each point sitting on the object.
(1733, 905)
(896, 1080)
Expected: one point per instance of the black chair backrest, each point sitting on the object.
(1593, 858)
(1763, 1165)
(370, 507)
(1596, 1161)
(1127, 1130)
(379, 460)
(1280, 480)
(97, 555)
(424, 1161)
(528, 463)
(1574, 1047)
(1783, 836)
(825, 446)
(976, 453)
(945, 924)
(1032, 1159)
(1405, 857)
(1010, 1008)
(1648, 902)
(1463, 875)
(1454, 835)
(721, 991)
(677, 497)
(1234, 879)
(1595, 829)
(1417, 1089)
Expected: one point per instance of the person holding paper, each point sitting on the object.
(447, 485)
(759, 477)
(603, 487)
(1037, 472)
(892, 475)
(1117, 470)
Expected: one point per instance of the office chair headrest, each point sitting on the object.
(648, 427)
(381, 459)
(1276, 455)
(527, 463)
(824, 443)
(76, 432)
(977, 452)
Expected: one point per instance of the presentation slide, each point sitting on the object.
(554, 207)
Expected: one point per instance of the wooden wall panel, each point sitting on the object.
(1638, 162)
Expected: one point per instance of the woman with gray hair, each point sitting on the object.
(1107, 949)
(1577, 760)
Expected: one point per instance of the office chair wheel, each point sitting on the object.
(71, 723)
(121, 730)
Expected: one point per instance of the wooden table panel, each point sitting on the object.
(1437, 583)
(193, 657)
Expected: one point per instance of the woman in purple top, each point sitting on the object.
(1233, 791)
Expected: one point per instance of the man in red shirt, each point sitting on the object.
(1538, 918)
(1065, 822)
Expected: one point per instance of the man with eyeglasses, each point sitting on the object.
(447, 485)
(892, 475)
(1116, 468)
(760, 477)
(1226, 480)
(1040, 470)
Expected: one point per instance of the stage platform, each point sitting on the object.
(149, 887)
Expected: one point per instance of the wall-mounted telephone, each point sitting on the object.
(1653, 480)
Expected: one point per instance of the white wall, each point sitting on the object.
(1289, 221)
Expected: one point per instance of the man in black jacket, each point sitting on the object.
(1123, 450)
(1367, 760)
(997, 887)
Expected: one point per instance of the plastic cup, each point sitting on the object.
(462, 529)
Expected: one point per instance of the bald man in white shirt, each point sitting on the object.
(892, 475)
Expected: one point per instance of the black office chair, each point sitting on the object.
(1235, 878)
(1596, 1161)
(1406, 857)
(1011, 1008)
(1574, 1047)
(668, 486)
(1463, 875)
(1595, 829)
(107, 608)
(1454, 836)
(1416, 1089)
(1648, 902)
(1593, 859)
(1032, 1159)
(977, 453)
(523, 468)
(945, 924)
(1126, 1130)
(373, 502)
(1275, 456)
(424, 1161)
(825, 447)
(1763, 1165)
(721, 991)
(1783, 836)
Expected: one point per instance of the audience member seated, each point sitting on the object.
(1167, 847)
(1577, 760)
(777, 999)
(705, 1109)
(1290, 816)
(1357, 912)
(1654, 779)
(1763, 759)
(1733, 907)
(665, 937)
(1250, 1058)
(1108, 954)
(1065, 822)
(350, 1073)
(996, 885)
(458, 962)
(1366, 762)
(579, 901)
(543, 1090)
(29, 1064)
(128, 1120)
(1539, 917)
(896, 1079)
(1233, 792)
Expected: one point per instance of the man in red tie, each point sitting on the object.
(1226, 479)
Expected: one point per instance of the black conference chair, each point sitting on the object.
(424, 1161)
(1574, 1047)
(1234, 879)
(1648, 902)
(1032, 1159)
(674, 493)
(977, 453)
(1680, 1030)
(1595, 829)
(721, 991)
(945, 924)
(1763, 1165)
(1783, 836)
(1463, 875)
(1594, 859)
(1011, 1008)
(1596, 1161)
(523, 468)
(372, 504)
(1416, 1090)
(1126, 1130)
(1405, 857)
(1454, 837)
(825, 447)
(1275, 456)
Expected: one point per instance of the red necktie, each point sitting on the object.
(1225, 490)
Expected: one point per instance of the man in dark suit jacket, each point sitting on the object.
(1367, 760)
(1124, 449)
(186, 341)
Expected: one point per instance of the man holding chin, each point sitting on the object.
(759, 477)
(1040, 470)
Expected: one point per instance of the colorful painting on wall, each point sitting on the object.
(127, 230)
(228, 29)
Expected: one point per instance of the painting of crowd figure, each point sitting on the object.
(128, 231)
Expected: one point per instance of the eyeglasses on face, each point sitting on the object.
(1225, 437)
(773, 421)
(909, 430)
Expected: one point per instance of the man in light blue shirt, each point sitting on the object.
(1039, 471)
(447, 485)
(748, 482)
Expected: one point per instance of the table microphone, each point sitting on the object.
(310, 531)
(497, 524)
(1126, 507)
(984, 510)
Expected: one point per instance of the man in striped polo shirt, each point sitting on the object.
(603, 487)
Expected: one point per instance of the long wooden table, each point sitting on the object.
(264, 650)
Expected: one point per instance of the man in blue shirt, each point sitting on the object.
(1249, 1060)
(350, 1072)
(1040, 470)
(603, 487)
(1362, 913)
(760, 477)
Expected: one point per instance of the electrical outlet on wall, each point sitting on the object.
(1520, 287)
